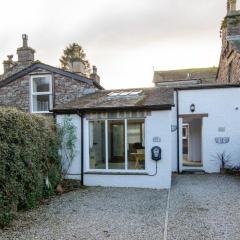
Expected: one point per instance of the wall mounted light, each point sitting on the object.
(192, 107)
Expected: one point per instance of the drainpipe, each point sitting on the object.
(82, 147)
(178, 160)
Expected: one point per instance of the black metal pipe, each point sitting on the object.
(177, 106)
(82, 149)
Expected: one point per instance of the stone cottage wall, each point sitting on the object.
(229, 66)
(17, 93)
(67, 89)
(229, 63)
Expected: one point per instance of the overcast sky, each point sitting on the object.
(125, 39)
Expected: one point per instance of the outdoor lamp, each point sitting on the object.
(192, 107)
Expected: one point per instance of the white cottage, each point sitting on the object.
(138, 137)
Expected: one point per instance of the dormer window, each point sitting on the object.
(41, 93)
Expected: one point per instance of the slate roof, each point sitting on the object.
(17, 67)
(204, 74)
(37, 65)
(148, 98)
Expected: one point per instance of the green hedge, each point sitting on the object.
(30, 166)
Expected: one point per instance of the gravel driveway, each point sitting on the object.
(95, 213)
(202, 207)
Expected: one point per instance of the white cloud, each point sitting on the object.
(124, 38)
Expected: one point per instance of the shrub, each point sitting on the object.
(30, 166)
(67, 139)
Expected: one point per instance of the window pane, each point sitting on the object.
(97, 145)
(116, 144)
(41, 84)
(41, 103)
(136, 145)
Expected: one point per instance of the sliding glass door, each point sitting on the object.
(97, 145)
(136, 145)
(117, 144)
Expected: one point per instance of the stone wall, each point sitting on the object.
(17, 93)
(67, 89)
(229, 66)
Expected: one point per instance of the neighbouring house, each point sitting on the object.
(36, 87)
(185, 77)
(229, 65)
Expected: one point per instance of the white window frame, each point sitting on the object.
(125, 170)
(32, 93)
(186, 127)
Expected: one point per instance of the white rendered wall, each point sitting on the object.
(75, 168)
(156, 125)
(223, 107)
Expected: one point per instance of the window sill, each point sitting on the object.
(42, 112)
(117, 173)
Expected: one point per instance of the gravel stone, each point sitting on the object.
(94, 213)
(204, 207)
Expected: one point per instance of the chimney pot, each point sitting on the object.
(94, 74)
(25, 40)
(231, 5)
(7, 64)
(10, 58)
(25, 53)
(94, 69)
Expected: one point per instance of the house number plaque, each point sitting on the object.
(222, 140)
(156, 139)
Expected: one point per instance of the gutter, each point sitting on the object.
(207, 86)
(112, 109)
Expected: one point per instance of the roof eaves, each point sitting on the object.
(111, 109)
(207, 86)
(36, 65)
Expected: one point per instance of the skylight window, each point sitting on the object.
(112, 94)
(135, 92)
(125, 93)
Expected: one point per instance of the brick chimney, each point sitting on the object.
(25, 53)
(7, 64)
(94, 74)
(231, 6)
